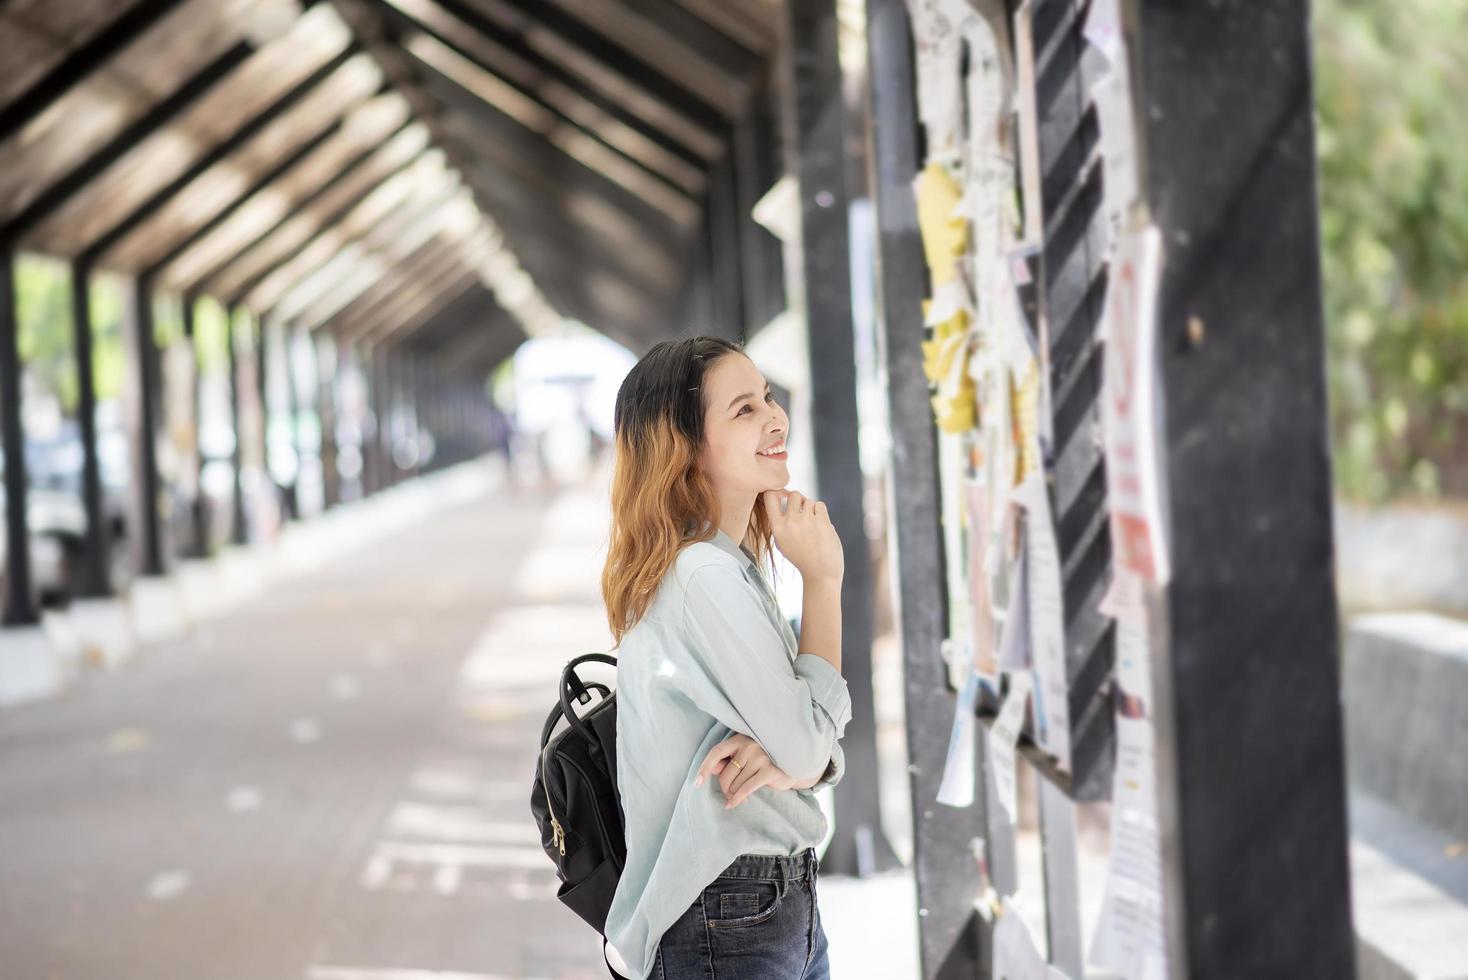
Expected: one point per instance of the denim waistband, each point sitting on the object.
(787, 866)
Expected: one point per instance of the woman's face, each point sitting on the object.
(741, 418)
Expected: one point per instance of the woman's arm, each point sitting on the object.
(758, 771)
(820, 619)
(738, 669)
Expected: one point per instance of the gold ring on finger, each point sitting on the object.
(737, 763)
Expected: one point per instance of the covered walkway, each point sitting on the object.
(331, 780)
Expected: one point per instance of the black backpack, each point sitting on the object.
(575, 799)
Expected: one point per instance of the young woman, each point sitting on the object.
(723, 729)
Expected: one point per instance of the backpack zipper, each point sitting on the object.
(558, 836)
(556, 831)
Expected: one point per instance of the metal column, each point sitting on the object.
(815, 117)
(198, 511)
(944, 838)
(376, 455)
(293, 402)
(19, 610)
(1251, 780)
(96, 578)
(262, 385)
(327, 369)
(146, 486)
(238, 533)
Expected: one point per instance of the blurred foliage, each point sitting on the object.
(1391, 95)
(43, 307)
(211, 336)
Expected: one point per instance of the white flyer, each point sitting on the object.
(1047, 621)
(936, 43)
(1129, 937)
(957, 787)
(1028, 129)
(1112, 96)
(1002, 738)
(1130, 407)
(1014, 637)
(1103, 29)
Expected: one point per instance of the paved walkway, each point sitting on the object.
(332, 781)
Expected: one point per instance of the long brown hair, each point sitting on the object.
(660, 498)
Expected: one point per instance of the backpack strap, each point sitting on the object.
(571, 685)
(578, 690)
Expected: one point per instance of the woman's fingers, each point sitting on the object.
(774, 500)
(753, 770)
(710, 763)
(782, 505)
(749, 756)
(738, 782)
(746, 789)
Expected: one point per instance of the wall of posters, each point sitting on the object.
(986, 357)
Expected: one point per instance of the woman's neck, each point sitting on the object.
(733, 517)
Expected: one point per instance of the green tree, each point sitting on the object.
(1391, 87)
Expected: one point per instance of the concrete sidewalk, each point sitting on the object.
(330, 779)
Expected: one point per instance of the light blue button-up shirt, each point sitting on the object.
(712, 656)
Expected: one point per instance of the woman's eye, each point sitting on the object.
(769, 397)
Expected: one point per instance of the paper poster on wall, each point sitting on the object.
(1003, 736)
(1103, 28)
(989, 167)
(944, 230)
(1014, 637)
(1130, 407)
(1129, 936)
(957, 785)
(936, 43)
(1046, 621)
(980, 539)
(1033, 233)
(1112, 96)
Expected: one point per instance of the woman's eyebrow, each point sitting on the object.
(740, 398)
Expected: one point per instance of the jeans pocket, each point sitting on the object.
(736, 903)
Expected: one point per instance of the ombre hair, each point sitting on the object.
(661, 501)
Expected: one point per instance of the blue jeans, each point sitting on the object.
(756, 921)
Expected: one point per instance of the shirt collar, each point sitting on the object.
(725, 541)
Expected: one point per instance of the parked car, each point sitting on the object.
(48, 565)
(57, 517)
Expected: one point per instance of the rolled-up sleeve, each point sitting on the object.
(741, 673)
(835, 770)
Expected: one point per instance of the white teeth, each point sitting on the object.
(777, 448)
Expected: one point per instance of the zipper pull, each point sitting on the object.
(558, 836)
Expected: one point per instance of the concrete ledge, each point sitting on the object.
(1406, 684)
(155, 607)
(39, 661)
(199, 588)
(1402, 556)
(1406, 929)
(106, 634)
(32, 668)
(1406, 680)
